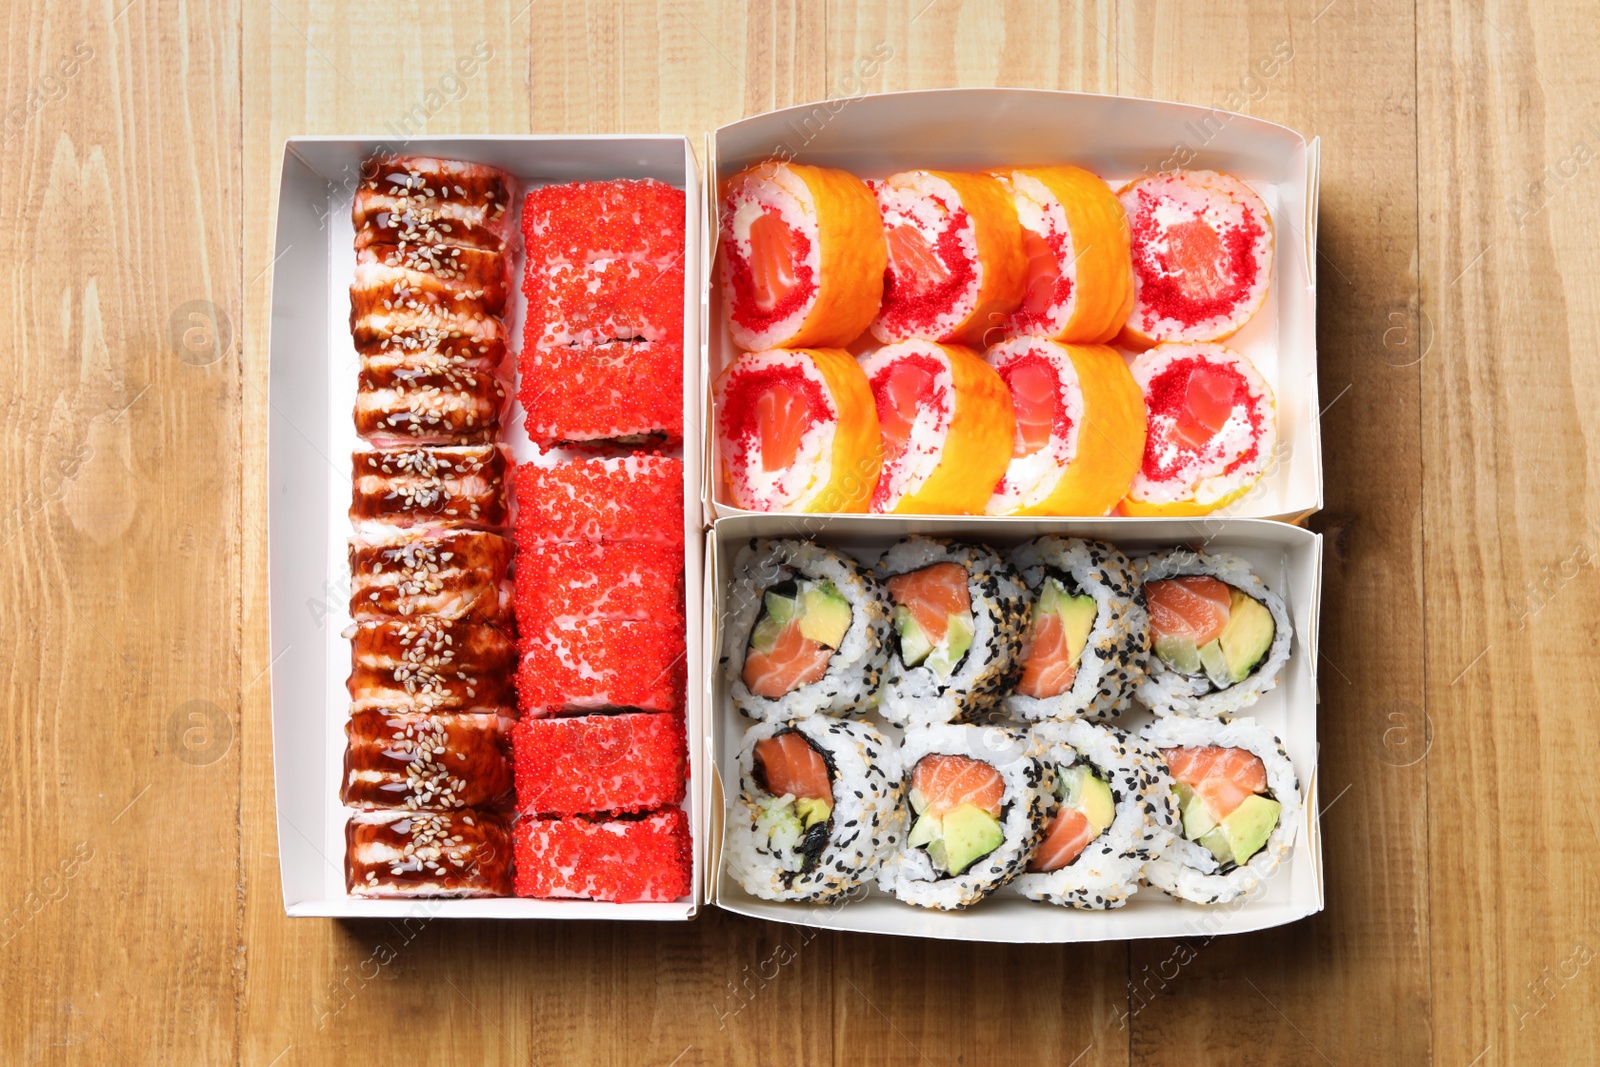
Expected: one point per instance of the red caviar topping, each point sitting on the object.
(908, 305)
(1202, 274)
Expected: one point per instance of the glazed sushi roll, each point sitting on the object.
(797, 431)
(1088, 634)
(416, 760)
(819, 808)
(977, 804)
(945, 417)
(453, 574)
(1075, 235)
(956, 264)
(1239, 805)
(1219, 636)
(802, 256)
(464, 853)
(433, 488)
(430, 664)
(1202, 256)
(1114, 814)
(1080, 428)
(1211, 430)
(806, 630)
(960, 612)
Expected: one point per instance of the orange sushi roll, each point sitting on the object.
(1212, 430)
(1075, 234)
(1202, 256)
(947, 427)
(797, 431)
(956, 264)
(802, 256)
(1080, 428)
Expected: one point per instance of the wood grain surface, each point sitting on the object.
(141, 920)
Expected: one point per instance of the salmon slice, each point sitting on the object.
(1046, 669)
(795, 660)
(1194, 606)
(947, 782)
(791, 765)
(906, 387)
(1196, 254)
(783, 416)
(1069, 834)
(933, 594)
(916, 268)
(772, 260)
(1033, 399)
(1222, 777)
(1044, 271)
(1207, 406)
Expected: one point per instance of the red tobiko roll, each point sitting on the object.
(590, 665)
(622, 392)
(618, 763)
(625, 860)
(630, 498)
(623, 580)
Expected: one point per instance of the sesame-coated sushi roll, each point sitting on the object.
(802, 256)
(945, 417)
(806, 630)
(1114, 814)
(429, 488)
(430, 664)
(797, 431)
(956, 264)
(819, 808)
(1088, 635)
(1219, 636)
(959, 615)
(426, 760)
(1075, 235)
(1202, 256)
(1080, 428)
(977, 804)
(1238, 801)
(1211, 430)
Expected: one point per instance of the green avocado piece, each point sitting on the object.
(766, 634)
(1078, 614)
(957, 639)
(1248, 635)
(1249, 825)
(914, 645)
(970, 833)
(824, 616)
(924, 830)
(1197, 821)
(782, 608)
(1097, 804)
(919, 803)
(812, 811)
(1179, 653)
(1216, 665)
(1216, 839)
(1051, 594)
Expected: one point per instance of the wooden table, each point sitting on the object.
(143, 919)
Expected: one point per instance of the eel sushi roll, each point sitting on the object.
(819, 808)
(1239, 804)
(1088, 636)
(978, 802)
(1080, 428)
(959, 616)
(802, 256)
(1211, 430)
(956, 265)
(797, 431)
(1075, 235)
(945, 417)
(1115, 813)
(807, 630)
(1219, 636)
(1202, 256)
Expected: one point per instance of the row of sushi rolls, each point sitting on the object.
(517, 638)
(945, 722)
(1025, 341)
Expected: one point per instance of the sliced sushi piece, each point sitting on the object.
(797, 431)
(957, 268)
(464, 853)
(414, 201)
(1212, 430)
(593, 665)
(426, 760)
(624, 393)
(977, 804)
(647, 857)
(616, 763)
(467, 269)
(945, 417)
(802, 256)
(1075, 235)
(434, 488)
(1114, 814)
(1202, 256)
(1239, 804)
(429, 664)
(617, 580)
(452, 574)
(424, 326)
(960, 612)
(378, 285)
(1080, 428)
(806, 630)
(428, 404)
(621, 498)
(1088, 636)
(819, 808)
(1219, 636)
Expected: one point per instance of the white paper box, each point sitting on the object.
(312, 382)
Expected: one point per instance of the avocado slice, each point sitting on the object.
(1078, 614)
(914, 645)
(1216, 665)
(1051, 594)
(782, 608)
(924, 830)
(1248, 635)
(1197, 820)
(919, 803)
(1249, 825)
(1179, 653)
(1216, 840)
(824, 615)
(957, 640)
(970, 833)
(812, 811)
(766, 634)
(1083, 791)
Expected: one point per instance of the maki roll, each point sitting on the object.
(959, 616)
(978, 803)
(1219, 636)
(1088, 636)
(819, 808)
(807, 630)
(1239, 802)
(1115, 814)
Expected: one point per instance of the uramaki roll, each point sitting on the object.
(956, 265)
(802, 256)
(1075, 234)
(947, 428)
(1080, 428)
(797, 431)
